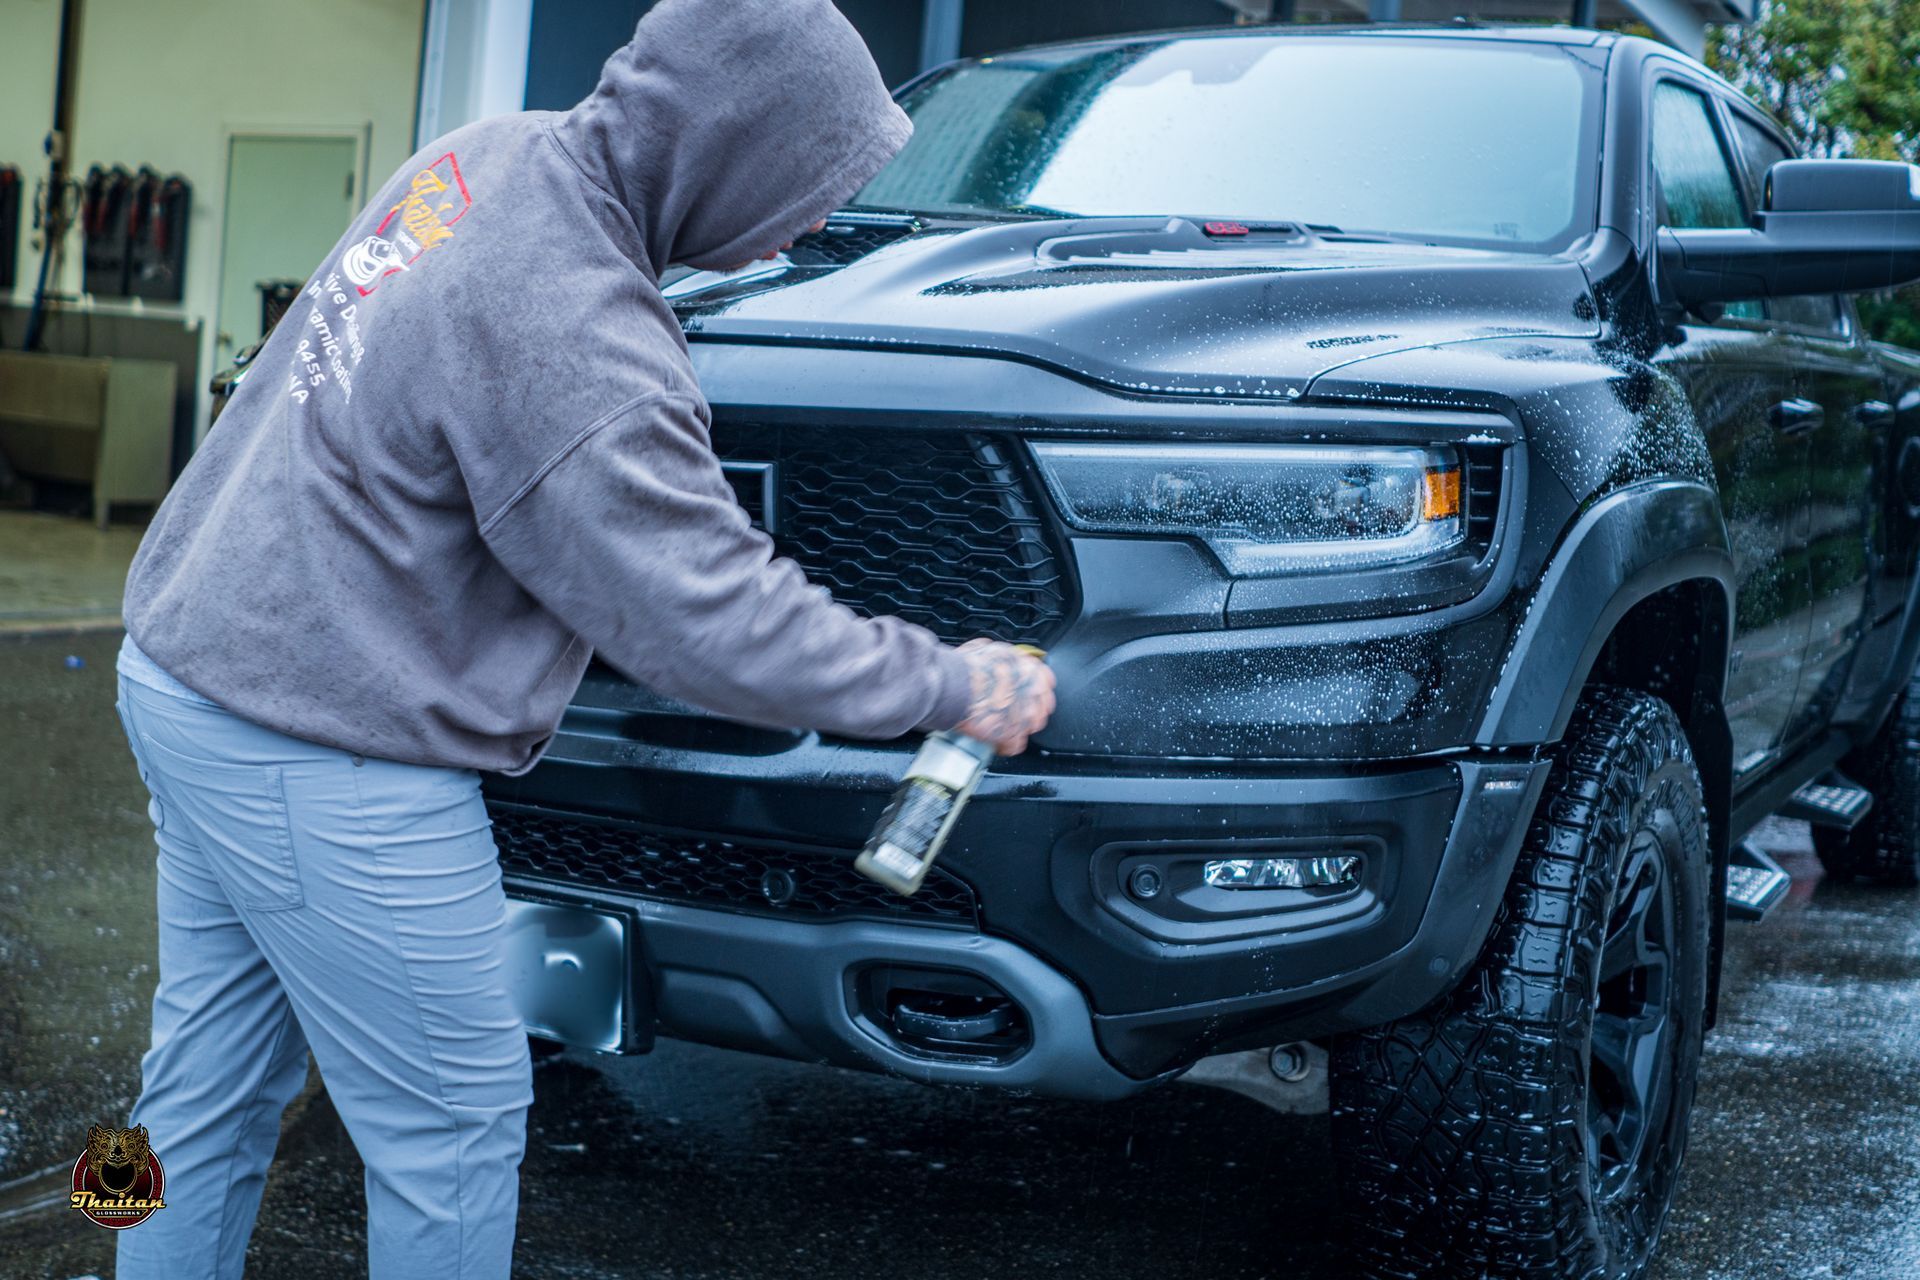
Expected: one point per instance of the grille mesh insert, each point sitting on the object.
(838, 244)
(939, 528)
(711, 871)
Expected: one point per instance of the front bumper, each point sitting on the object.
(789, 989)
(1039, 865)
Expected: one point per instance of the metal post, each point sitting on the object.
(433, 68)
(473, 63)
(940, 32)
(1584, 12)
(54, 216)
(1384, 10)
(1283, 10)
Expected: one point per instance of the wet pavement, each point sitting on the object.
(698, 1164)
(56, 570)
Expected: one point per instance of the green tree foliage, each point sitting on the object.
(1843, 77)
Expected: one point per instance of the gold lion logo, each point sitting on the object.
(118, 1157)
(117, 1181)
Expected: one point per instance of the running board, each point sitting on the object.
(1755, 883)
(1834, 802)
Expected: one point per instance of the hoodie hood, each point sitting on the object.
(727, 127)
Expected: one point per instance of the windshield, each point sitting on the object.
(1491, 144)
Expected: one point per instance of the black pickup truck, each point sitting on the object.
(1447, 473)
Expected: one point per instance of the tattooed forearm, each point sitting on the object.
(1012, 694)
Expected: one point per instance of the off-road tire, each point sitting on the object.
(1885, 847)
(1469, 1139)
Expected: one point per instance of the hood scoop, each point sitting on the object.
(848, 237)
(1174, 242)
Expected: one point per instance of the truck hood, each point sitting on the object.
(1154, 305)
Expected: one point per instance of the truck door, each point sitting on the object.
(1895, 549)
(1736, 369)
(1838, 404)
(1836, 532)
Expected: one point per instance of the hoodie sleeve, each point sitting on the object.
(633, 538)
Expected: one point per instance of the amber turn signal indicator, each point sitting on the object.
(1442, 499)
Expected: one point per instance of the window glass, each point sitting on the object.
(1815, 311)
(1482, 145)
(1762, 151)
(1696, 181)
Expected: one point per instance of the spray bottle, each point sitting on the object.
(914, 826)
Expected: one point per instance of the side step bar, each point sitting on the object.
(1834, 802)
(1755, 883)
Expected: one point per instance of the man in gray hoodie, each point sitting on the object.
(471, 456)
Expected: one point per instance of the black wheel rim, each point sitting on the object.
(1629, 1073)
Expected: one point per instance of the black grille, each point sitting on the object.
(939, 528)
(839, 243)
(712, 871)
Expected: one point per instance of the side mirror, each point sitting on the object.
(1827, 226)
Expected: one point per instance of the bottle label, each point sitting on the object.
(891, 857)
(944, 760)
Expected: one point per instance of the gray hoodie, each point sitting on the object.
(474, 452)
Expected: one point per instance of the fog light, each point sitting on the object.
(1144, 882)
(1283, 873)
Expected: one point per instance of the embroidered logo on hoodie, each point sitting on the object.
(435, 200)
(331, 350)
(365, 263)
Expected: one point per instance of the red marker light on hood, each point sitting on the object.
(1225, 228)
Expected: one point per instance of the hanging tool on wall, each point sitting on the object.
(59, 194)
(103, 223)
(157, 243)
(9, 224)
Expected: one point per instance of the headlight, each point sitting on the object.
(1266, 509)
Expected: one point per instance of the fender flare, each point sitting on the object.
(1626, 547)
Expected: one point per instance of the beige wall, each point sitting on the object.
(29, 34)
(163, 81)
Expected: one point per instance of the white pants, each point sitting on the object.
(310, 899)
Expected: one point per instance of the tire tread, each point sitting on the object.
(1454, 1138)
(1885, 847)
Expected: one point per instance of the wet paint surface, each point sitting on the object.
(700, 1164)
(1197, 321)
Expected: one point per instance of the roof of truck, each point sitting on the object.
(1456, 30)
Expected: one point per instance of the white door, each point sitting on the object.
(289, 198)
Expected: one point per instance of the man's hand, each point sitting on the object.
(1012, 695)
